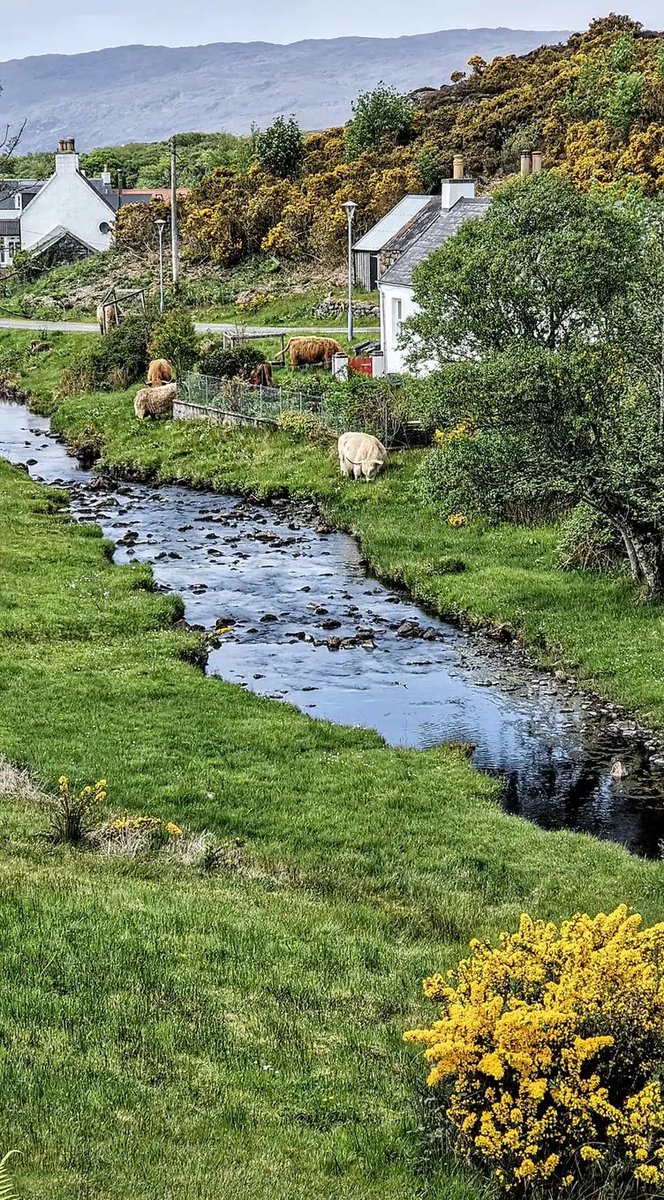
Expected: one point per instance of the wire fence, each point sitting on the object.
(237, 398)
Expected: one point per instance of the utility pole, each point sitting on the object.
(175, 241)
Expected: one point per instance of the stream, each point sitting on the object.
(305, 623)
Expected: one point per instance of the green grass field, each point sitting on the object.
(169, 1036)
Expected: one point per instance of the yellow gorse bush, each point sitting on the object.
(549, 1050)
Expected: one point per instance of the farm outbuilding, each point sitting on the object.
(367, 252)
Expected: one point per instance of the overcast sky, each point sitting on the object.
(70, 26)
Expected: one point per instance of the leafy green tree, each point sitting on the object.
(547, 319)
(280, 148)
(542, 266)
(380, 116)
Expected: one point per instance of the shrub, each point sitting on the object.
(305, 426)
(121, 356)
(589, 542)
(231, 361)
(547, 1056)
(174, 338)
(370, 406)
(71, 813)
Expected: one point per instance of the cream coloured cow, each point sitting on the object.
(361, 456)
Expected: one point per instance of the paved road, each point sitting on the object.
(228, 327)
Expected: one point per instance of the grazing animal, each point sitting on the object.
(160, 371)
(155, 402)
(107, 317)
(361, 456)
(261, 376)
(305, 351)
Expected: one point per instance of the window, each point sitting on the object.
(397, 317)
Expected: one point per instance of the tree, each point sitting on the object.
(380, 116)
(542, 266)
(173, 337)
(280, 148)
(554, 314)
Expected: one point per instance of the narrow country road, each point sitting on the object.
(201, 327)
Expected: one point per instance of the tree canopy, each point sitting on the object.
(543, 266)
(554, 393)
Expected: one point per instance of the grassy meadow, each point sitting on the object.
(169, 1035)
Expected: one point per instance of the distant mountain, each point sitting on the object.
(144, 93)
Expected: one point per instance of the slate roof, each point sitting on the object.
(440, 230)
(9, 188)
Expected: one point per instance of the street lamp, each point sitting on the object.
(161, 225)
(350, 207)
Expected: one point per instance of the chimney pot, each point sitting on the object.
(458, 171)
(537, 162)
(526, 164)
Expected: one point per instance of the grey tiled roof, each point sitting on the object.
(439, 231)
(9, 188)
(10, 228)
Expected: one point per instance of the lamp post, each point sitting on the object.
(161, 225)
(350, 207)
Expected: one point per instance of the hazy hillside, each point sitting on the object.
(146, 92)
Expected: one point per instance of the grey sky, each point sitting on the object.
(70, 26)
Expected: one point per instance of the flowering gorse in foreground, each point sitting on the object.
(548, 1055)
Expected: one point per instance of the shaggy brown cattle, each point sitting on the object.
(155, 402)
(261, 376)
(160, 371)
(306, 351)
(107, 317)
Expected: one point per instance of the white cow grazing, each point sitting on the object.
(361, 455)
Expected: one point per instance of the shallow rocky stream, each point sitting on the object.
(307, 624)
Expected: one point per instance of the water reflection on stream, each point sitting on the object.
(291, 590)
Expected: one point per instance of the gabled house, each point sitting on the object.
(66, 217)
(431, 225)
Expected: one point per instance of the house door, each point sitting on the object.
(373, 272)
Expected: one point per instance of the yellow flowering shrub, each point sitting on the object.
(457, 520)
(548, 1054)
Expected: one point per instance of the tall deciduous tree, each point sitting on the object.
(550, 314)
(280, 148)
(543, 265)
(382, 116)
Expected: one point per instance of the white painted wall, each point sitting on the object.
(397, 304)
(67, 200)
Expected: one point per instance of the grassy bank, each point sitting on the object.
(595, 626)
(171, 1035)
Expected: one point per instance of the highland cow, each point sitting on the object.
(361, 455)
(107, 316)
(155, 402)
(261, 376)
(306, 351)
(160, 371)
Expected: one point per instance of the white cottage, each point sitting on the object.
(72, 202)
(433, 225)
(66, 217)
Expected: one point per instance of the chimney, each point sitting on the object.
(66, 159)
(106, 178)
(537, 162)
(460, 187)
(526, 164)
